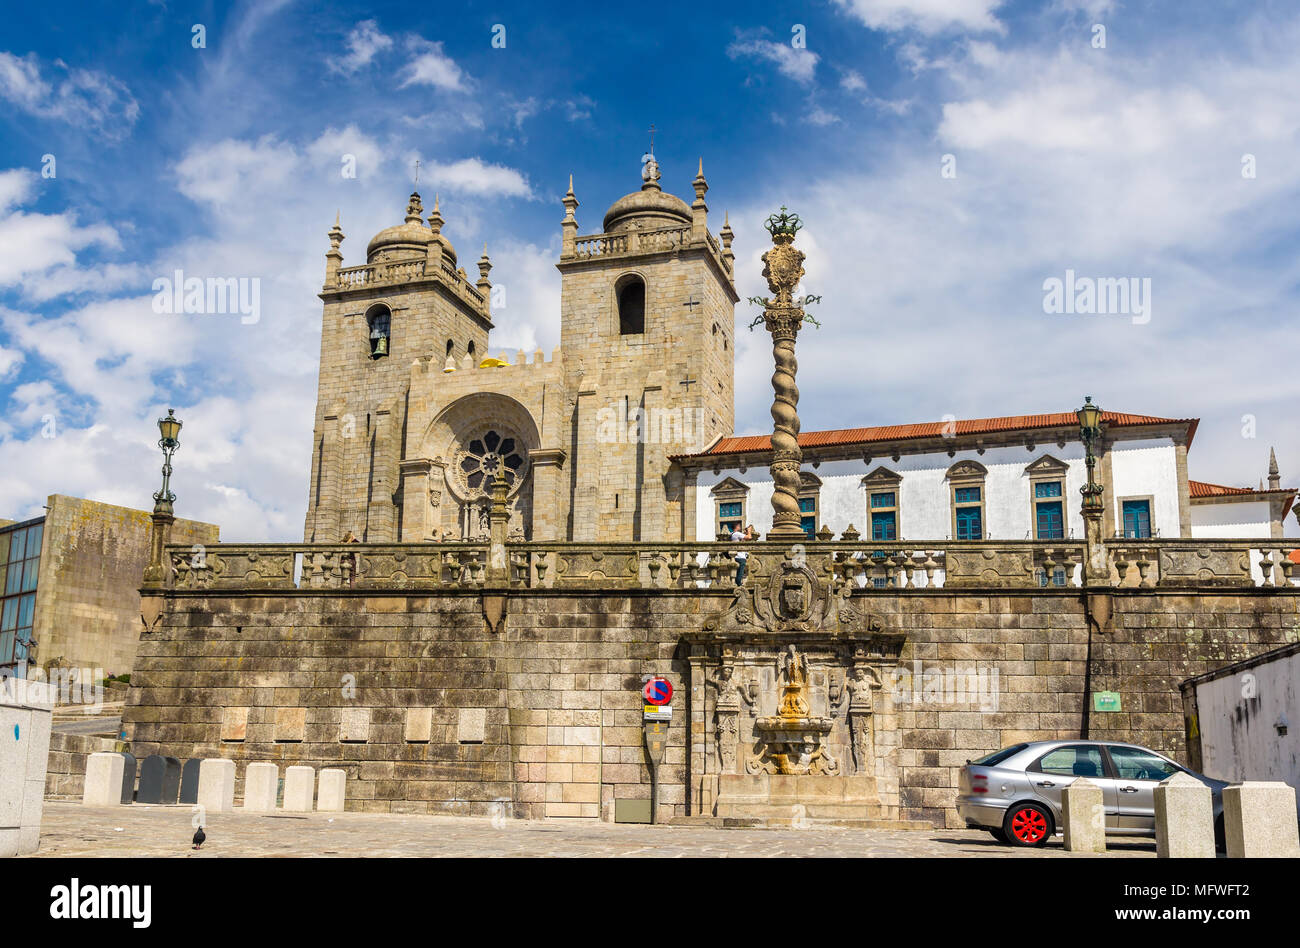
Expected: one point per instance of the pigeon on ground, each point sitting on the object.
(199, 837)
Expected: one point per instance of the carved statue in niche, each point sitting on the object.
(793, 702)
(731, 692)
(858, 691)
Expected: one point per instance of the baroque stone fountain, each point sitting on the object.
(795, 742)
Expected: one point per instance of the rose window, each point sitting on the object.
(489, 455)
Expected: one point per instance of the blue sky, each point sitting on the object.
(1117, 161)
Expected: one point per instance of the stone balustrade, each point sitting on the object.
(1157, 562)
(899, 566)
(661, 240)
(404, 271)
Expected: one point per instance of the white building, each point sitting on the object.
(1014, 478)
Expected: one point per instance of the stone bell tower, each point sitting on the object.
(410, 300)
(648, 335)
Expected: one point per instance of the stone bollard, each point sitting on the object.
(1083, 815)
(330, 795)
(299, 789)
(1184, 818)
(1259, 819)
(217, 784)
(261, 783)
(104, 775)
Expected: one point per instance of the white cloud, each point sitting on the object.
(31, 244)
(473, 176)
(364, 42)
(328, 150)
(10, 360)
(93, 101)
(819, 116)
(797, 64)
(16, 187)
(852, 81)
(925, 16)
(432, 67)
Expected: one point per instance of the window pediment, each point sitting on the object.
(967, 469)
(882, 477)
(729, 488)
(1046, 466)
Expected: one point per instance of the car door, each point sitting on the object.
(1138, 772)
(1058, 768)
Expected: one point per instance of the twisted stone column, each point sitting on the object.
(787, 456)
(783, 315)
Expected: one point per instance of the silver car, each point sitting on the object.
(1015, 793)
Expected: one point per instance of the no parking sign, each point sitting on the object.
(658, 691)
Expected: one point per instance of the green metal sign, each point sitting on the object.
(1105, 701)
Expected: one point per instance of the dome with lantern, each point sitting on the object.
(648, 209)
(410, 239)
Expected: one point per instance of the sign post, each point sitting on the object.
(656, 714)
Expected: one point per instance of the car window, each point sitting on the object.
(1133, 764)
(990, 760)
(1078, 760)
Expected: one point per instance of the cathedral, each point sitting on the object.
(625, 431)
(414, 419)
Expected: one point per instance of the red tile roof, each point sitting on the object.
(1198, 489)
(936, 429)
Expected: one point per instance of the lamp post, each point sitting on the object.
(1096, 570)
(155, 573)
(1089, 416)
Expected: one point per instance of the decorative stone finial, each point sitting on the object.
(435, 219)
(1274, 475)
(414, 208)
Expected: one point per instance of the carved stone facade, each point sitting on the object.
(407, 388)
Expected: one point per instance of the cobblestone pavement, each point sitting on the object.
(70, 829)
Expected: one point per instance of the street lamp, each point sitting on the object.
(170, 428)
(1089, 416)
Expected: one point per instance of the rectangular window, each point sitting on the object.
(20, 560)
(967, 495)
(808, 522)
(1137, 519)
(1047, 489)
(731, 516)
(1051, 521)
(883, 500)
(884, 525)
(970, 523)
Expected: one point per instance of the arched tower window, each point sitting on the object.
(469, 347)
(450, 346)
(631, 306)
(379, 320)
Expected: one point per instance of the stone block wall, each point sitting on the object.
(429, 711)
(87, 596)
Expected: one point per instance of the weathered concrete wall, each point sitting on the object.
(87, 597)
(1238, 717)
(391, 686)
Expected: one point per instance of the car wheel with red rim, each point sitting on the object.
(1027, 824)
